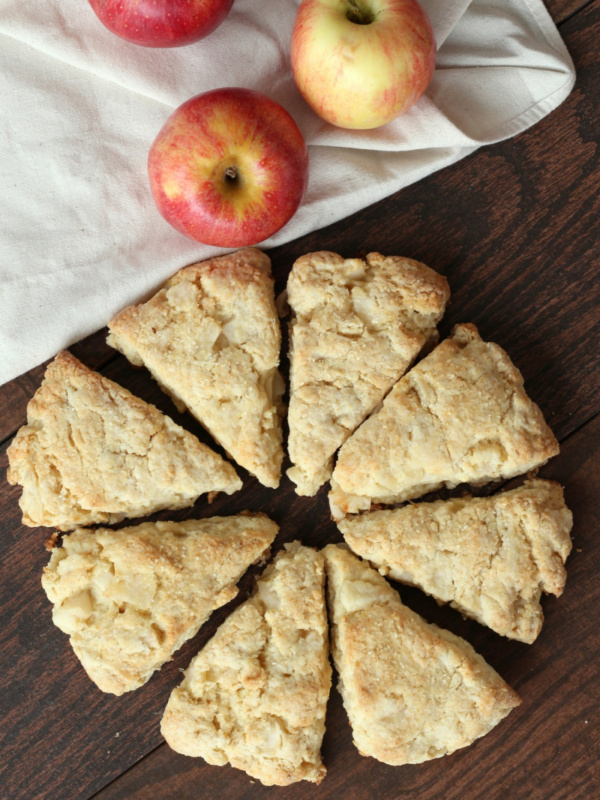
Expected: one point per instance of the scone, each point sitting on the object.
(356, 328)
(460, 416)
(130, 598)
(92, 452)
(211, 339)
(489, 557)
(412, 691)
(255, 696)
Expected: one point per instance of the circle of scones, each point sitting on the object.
(256, 694)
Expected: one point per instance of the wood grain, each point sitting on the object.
(516, 228)
(562, 10)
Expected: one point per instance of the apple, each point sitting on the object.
(361, 63)
(229, 168)
(161, 23)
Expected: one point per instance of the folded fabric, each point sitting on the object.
(81, 237)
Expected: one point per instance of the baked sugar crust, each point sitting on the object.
(255, 696)
(92, 452)
(357, 326)
(459, 416)
(211, 338)
(412, 691)
(489, 557)
(129, 599)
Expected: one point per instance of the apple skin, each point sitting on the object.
(161, 23)
(362, 75)
(229, 168)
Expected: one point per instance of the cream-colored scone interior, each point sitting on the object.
(412, 691)
(459, 416)
(356, 328)
(92, 452)
(129, 599)
(211, 339)
(489, 557)
(255, 696)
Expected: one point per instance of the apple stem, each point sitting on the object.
(356, 14)
(231, 174)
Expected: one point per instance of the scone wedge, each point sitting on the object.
(412, 691)
(211, 339)
(489, 557)
(357, 326)
(255, 696)
(92, 452)
(129, 599)
(459, 416)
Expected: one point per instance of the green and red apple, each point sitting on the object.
(361, 63)
(229, 168)
(161, 23)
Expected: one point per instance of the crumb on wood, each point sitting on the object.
(51, 541)
(281, 305)
(264, 558)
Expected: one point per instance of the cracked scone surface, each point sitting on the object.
(459, 416)
(356, 328)
(255, 696)
(211, 339)
(489, 557)
(129, 599)
(92, 452)
(412, 691)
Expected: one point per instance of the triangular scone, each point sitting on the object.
(490, 557)
(92, 452)
(211, 339)
(130, 598)
(459, 416)
(357, 327)
(412, 691)
(255, 695)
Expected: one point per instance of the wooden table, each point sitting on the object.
(516, 229)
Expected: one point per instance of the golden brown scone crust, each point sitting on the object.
(92, 452)
(489, 557)
(129, 599)
(211, 339)
(357, 327)
(459, 416)
(255, 696)
(412, 691)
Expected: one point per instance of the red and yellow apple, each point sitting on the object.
(229, 168)
(361, 63)
(161, 23)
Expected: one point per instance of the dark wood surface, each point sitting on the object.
(516, 229)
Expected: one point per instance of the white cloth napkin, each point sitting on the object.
(80, 236)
